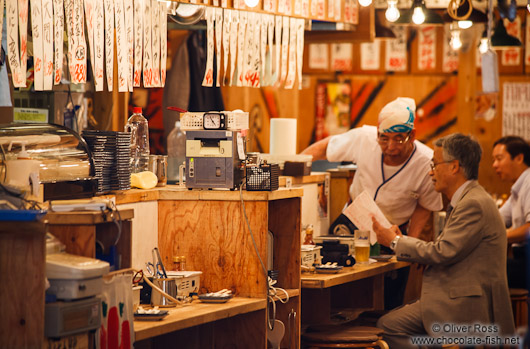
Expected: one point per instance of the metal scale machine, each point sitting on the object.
(215, 149)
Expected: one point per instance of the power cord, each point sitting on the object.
(270, 293)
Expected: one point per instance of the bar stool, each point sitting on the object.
(519, 298)
(344, 337)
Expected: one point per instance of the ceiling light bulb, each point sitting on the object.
(365, 3)
(418, 17)
(392, 12)
(455, 42)
(528, 6)
(464, 24)
(251, 3)
(484, 46)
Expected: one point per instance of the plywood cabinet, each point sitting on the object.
(210, 229)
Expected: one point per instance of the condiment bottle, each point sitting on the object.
(309, 235)
(177, 263)
(138, 126)
(182, 263)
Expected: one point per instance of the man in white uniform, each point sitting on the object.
(511, 162)
(393, 167)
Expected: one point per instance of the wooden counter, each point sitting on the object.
(196, 314)
(359, 287)
(349, 274)
(174, 192)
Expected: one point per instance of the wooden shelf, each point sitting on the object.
(196, 314)
(291, 292)
(86, 217)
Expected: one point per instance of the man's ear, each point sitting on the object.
(519, 158)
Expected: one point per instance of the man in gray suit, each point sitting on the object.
(464, 292)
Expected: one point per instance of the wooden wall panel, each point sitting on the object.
(215, 240)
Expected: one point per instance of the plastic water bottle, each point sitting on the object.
(138, 127)
(176, 151)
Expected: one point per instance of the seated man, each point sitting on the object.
(464, 283)
(511, 161)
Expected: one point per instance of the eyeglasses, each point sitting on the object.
(384, 140)
(433, 164)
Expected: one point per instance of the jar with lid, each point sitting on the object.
(309, 235)
(177, 263)
(182, 263)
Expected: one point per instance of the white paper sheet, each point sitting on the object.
(234, 21)
(58, 35)
(38, 51)
(361, 211)
(291, 75)
(276, 68)
(218, 41)
(208, 72)
(255, 63)
(80, 48)
(121, 45)
(129, 40)
(138, 41)
(263, 47)
(300, 49)
(47, 44)
(99, 44)
(89, 15)
(163, 43)
(148, 65)
(13, 53)
(270, 38)
(226, 42)
(285, 49)
(240, 46)
(23, 31)
(155, 37)
(248, 50)
(109, 42)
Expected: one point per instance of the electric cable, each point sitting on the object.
(270, 323)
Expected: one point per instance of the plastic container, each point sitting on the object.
(176, 151)
(138, 126)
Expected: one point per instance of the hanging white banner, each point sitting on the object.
(148, 66)
(38, 51)
(109, 42)
(58, 35)
(47, 43)
(121, 45)
(138, 41)
(129, 35)
(163, 42)
(99, 42)
(155, 37)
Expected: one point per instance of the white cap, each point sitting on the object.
(397, 116)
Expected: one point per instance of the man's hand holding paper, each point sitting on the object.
(361, 211)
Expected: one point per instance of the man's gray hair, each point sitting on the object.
(463, 148)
